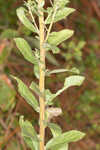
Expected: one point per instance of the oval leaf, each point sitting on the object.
(61, 14)
(67, 137)
(55, 38)
(25, 49)
(22, 17)
(29, 134)
(74, 80)
(27, 95)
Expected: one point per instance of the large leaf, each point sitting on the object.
(29, 134)
(22, 17)
(25, 49)
(67, 137)
(55, 38)
(61, 14)
(27, 95)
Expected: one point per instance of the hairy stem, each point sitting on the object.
(42, 76)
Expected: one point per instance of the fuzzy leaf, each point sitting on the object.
(35, 88)
(22, 17)
(36, 71)
(25, 49)
(55, 129)
(27, 95)
(49, 97)
(27, 129)
(60, 3)
(61, 14)
(54, 48)
(74, 80)
(67, 137)
(29, 134)
(55, 38)
(61, 147)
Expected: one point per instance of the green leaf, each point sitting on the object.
(27, 95)
(22, 17)
(36, 71)
(67, 137)
(74, 80)
(29, 142)
(35, 88)
(49, 97)
(29, 133)
(61, 147)
(60, 3)
(25, 49)
(9, 33)
(55, 129)
(55, 38)
(51, 59)
(61, 14)
(27, 129)
(7, 94)
(73, 70)
(54, 48)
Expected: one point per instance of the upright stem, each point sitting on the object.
(42, 76)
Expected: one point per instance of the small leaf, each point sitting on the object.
(29, 134)
(36, 71)
(49, 97)
(73, 70)
(27, 95)
(54, 48)
(25, 49)
(61, 14)
(55, 38)
(51, 59)
(35, 88)
(55, 129)
(67, 137)
(22, 17)
(73, 81)
(60, 3)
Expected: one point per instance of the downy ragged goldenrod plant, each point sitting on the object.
(48, 40)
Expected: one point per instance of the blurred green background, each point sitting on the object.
(81, 106)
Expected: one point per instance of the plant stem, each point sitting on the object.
(42, 76)
(51, 24)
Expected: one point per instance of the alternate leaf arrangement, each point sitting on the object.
(48, 40)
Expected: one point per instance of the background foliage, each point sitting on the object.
(80, 105)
